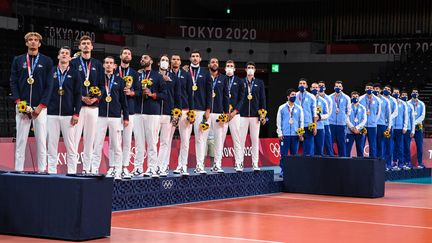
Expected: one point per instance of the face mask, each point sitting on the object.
(354, 100)
(164, 65)
(369, 91)
(322, 89)
(386, 92)
(314, 91)
(301, 89)
(404, 98)
(375, 92)
(292, 99)
(250, 72)
(229, 71)
(396, 96)
(414, 95)
(337, 90)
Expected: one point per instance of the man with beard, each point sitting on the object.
(126, 72)
(147, 117)
(91, 73)
(31, 81)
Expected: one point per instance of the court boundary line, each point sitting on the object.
(347, 202)
(308, 218)
(196, 235)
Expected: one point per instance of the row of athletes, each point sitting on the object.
(385, 117)
(83, 97)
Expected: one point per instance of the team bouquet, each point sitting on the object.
(128, 81)
(300, 133)
(175, 116)
(223, 118)
(146, 83)
(363, 131)
(387, 134)
(319, 111)
(204, 126)
(419, 127)
(24, 108)
(312, 126)
(262, 115)
(94, 92)
(191, 116)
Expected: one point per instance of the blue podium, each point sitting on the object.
(55, 206)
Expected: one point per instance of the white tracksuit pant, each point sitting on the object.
(56, 125)
(219, 133)
(185, 130)
(253, 124)
(200, 139)
(166, 136)
(87, 121)
(115, 126)
(146, 131)
(126, 142)
(234, 127)
(23, 127)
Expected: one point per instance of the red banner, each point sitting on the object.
(269, 154)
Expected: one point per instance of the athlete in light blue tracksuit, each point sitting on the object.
(388, 151)
(355, 123)
(328, 143)
(289, 119)
(338, 119)
(419, 113)
(373, 112)
(409, 134)
(400, 128)
(308, 103)
(323, 115)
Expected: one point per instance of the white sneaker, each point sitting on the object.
(238, 168)
(218, 170)
(163, 173)
(94, 171)
(154, 174)
(126, 174)
(201, 171)
(256, 168)
(110, 172)
(137, 172)
(178, 170)
(117, 175)
(148, 173)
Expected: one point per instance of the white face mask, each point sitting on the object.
(164, 65)
(250, 72)
(229, 71)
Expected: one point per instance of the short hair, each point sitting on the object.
(377, 85)
(388, 86)
(124, 49)
(213, 58)
(30, 34)
(65, 48)
(321, 82)
(289, 91)
(230, 61)
(396, 88)
(109, 57)
(251, 64)
(146, 54)
(369, 84)
(416, 89)
(339, 82)
(85, 37)
(164, 55)
(175, 54)
(303, 79)
(194, 51)
(314, 83)
(404, 91)
(354, 93)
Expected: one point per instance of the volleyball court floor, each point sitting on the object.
(403, 215)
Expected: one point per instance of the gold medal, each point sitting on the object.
(61, 92)
(249, 97)
(195, 88)
(30, 80)
(291, 121)
(214, 94)
(230, 96)
(108, 99)
(87, 83)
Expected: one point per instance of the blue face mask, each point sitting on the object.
(314, 91)
(292, 99)
(322, 89)
(404, 98)
(414, 95)
(354, 100)
(386, 92)
(369, 91)
(337, 90)
(375, 92)
(396, 96)
(301, 89)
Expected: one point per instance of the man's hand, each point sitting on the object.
(281, 138)
(128, 92)
(125, 123)
(315, 131)
(207, 114)
(233, 114)
(74, 120)
(404, 131)
(36, 111)
(186, 68)
(86, 100)
(166, 78)
(148, 92)
(412, 135)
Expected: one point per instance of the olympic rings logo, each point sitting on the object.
(167, 184)
(275, 149)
